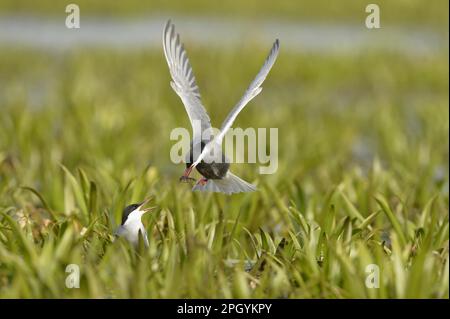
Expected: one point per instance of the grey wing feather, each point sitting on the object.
(253, 90)
(184, 83)
(120, 231)
(229, 185)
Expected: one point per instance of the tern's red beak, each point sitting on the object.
(141, 206)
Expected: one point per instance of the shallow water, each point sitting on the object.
(52, 34)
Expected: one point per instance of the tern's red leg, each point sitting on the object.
(188, 171)
(202, 181)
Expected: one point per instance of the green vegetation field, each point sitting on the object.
(362, 178)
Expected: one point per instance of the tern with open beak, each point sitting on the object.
(132, 227)
(214, 168)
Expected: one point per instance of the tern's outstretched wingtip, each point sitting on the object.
(168, 25)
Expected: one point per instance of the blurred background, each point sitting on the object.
(350, 103)
(100, 95)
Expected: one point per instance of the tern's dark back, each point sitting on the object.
(211, 170)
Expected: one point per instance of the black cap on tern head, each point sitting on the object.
(127, 211)
(131, 208)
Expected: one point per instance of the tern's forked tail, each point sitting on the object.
(228, 185)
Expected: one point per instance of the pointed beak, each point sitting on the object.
(141, 206)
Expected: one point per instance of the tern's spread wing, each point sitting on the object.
(184, 81)
(253, 90)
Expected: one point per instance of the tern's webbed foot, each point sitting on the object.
(186, 179)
